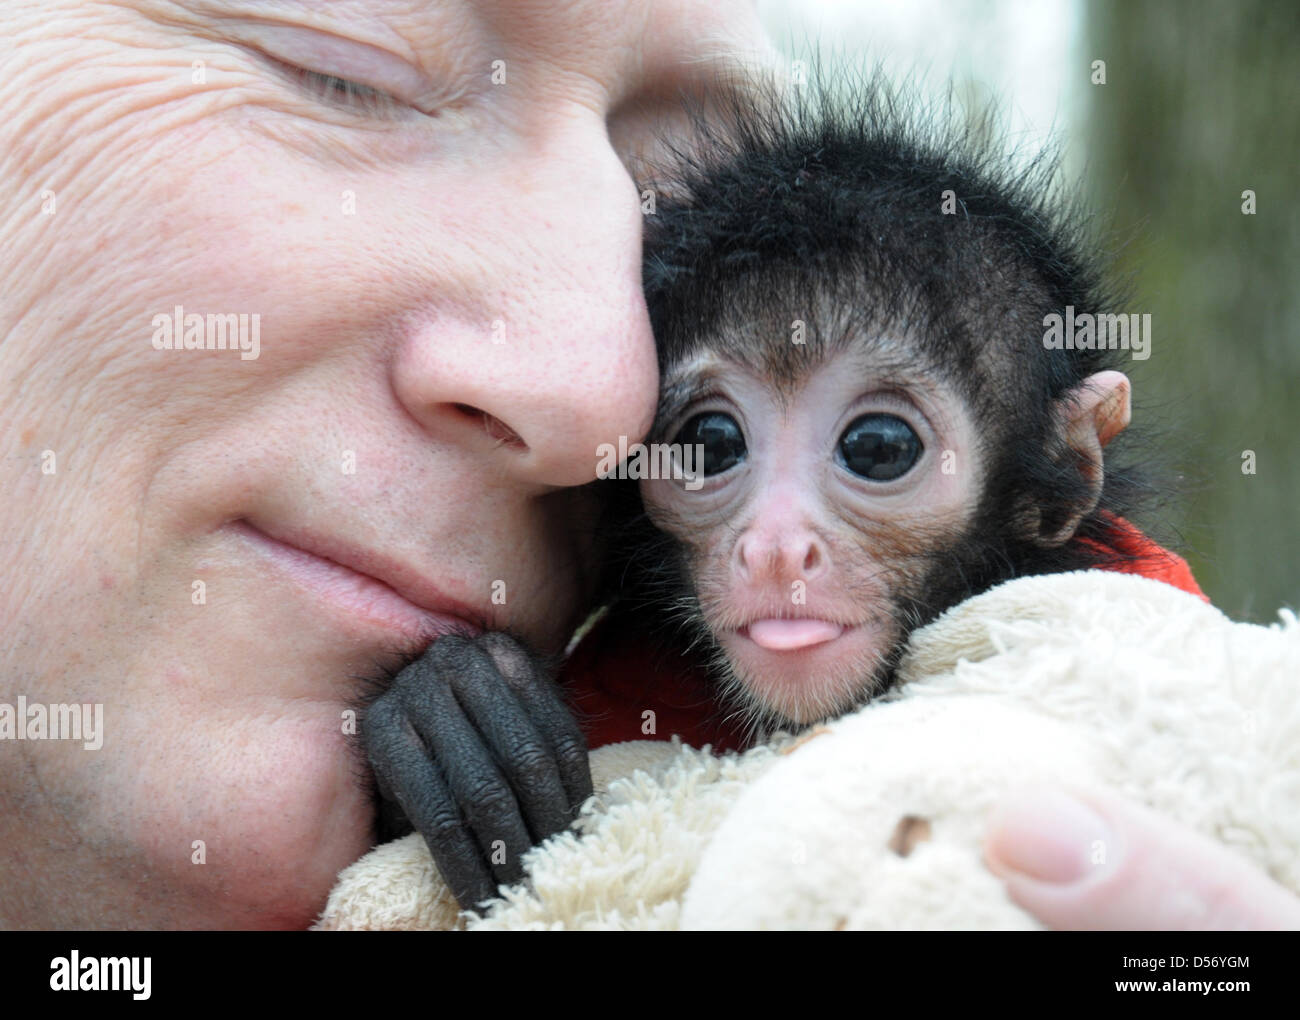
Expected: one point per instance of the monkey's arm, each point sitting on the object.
(475, 746)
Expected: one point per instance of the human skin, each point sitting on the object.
(472, 333)
(1155, 875)
(482, 212)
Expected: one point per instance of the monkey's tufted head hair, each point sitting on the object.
(897, 227)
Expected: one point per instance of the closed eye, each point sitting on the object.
(343, 92)
(343, 72)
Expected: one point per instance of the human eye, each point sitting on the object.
(342, 72)
(340, 91)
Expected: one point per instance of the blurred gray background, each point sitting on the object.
(1201, 102)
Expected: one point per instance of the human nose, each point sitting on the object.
(550, 355)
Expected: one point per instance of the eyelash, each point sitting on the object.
(330, 88)
(683, 411)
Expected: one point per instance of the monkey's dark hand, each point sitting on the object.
(475, 746)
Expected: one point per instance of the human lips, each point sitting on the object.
(367, 585)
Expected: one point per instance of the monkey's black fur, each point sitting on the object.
(825, 204)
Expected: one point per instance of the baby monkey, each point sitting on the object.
(850, 302)
(851, 306)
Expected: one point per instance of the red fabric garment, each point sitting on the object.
(614, 677)
(1150, 560)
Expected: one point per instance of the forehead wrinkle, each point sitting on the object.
(420, 32)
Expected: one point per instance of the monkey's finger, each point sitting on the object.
(480, 790)
(405, 772)
(1097, 861)
(520, 750)
(543, 703)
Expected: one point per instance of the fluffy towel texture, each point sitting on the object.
(1091, 679)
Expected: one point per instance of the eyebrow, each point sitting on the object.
(685, 387)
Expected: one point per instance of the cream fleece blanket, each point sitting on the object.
(1092, 679)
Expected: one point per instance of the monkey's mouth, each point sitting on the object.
(782, 635)
(806, 669)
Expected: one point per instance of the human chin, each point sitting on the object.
(243, 818)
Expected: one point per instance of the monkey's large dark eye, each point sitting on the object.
(720, 439)
(880, 447)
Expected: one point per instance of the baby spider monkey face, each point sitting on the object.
(824, 505)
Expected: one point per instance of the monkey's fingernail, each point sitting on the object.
(1048, 836)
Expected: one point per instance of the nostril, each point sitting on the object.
(502, 432)
(493, 426)
(814, 557)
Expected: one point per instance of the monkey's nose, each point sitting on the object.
(775, 556)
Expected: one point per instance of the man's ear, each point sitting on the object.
(1088, 417)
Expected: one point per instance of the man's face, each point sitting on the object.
(440, 263)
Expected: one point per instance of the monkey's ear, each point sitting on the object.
(1089, 417)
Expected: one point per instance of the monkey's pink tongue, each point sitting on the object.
(784, 635)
